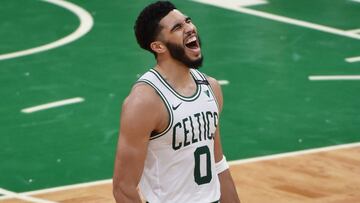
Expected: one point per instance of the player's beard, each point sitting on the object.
(178, 53)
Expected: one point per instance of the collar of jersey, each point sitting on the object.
(168, 86)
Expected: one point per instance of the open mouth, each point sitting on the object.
(192, 43)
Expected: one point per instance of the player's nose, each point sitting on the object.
(189, 28)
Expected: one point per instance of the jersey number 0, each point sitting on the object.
(197, 173)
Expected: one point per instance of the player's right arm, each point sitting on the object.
(141, 114)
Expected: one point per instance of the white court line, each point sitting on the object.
(53, 105)
(334, 77)
(234, 162)
(62, 188)
(292, 154)
(69, 187)
(356, 1)
(247, 2)
(230, 5)
(356, 31)
(223, 82)
(9, 195)
(86, 23)
(353, 59)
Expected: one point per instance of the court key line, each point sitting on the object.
(334, 77)
(9, 194)
(353, 59)
(234, 6)
(53, 105)
(86, 23)
(231, 163)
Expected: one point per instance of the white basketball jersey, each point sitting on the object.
(180, 163)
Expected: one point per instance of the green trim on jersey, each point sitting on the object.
(211, 90)
(168, 108)
(167, 85)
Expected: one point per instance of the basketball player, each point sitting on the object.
(169, 142)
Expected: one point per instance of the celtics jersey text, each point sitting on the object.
(180, 163)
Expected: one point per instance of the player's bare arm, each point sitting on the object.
(188, 114)
(228, 190)
(141, 115)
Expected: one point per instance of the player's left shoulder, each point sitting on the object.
(213, 82)
(215, 86)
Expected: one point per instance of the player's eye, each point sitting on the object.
(176, 27)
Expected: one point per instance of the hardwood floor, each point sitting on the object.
(332, 177)
(323, 177)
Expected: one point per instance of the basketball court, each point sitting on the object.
(290, 75)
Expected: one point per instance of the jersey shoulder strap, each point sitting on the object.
(151, 79)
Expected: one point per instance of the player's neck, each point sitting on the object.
(173, 70)
(176, 74)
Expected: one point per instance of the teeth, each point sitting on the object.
(191, 39)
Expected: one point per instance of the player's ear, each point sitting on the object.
(158, 47)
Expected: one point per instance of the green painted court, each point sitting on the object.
(291, 74)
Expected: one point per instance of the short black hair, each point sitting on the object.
(147, 24)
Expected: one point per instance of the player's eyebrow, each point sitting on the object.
(179, 23)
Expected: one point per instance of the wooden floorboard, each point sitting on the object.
(331, 177)
(324, 177)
